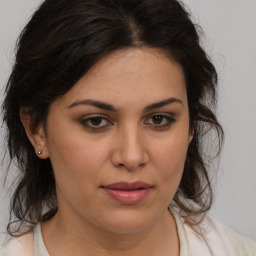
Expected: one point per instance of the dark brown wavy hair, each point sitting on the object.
(60, 43)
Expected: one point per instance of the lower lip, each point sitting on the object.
(128, 197)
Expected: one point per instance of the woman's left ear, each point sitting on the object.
(36, 135)
(191, 135)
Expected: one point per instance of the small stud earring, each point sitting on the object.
(40, 152)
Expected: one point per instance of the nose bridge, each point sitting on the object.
(130, 150)
(132, 142)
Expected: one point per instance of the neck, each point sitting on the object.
(82, 238)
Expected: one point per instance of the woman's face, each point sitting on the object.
(118, 139)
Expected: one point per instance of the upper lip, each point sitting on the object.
(123, 185)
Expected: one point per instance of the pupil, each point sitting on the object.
(96, 121)
(157, 119)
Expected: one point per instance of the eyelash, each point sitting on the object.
(169, 120)
(85, 123)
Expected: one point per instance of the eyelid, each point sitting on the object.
(164, 114)
(87, 118)
(95, 115)
(168, 116)
(165, 123)
(101, 115)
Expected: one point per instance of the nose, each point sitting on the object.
(129, 150)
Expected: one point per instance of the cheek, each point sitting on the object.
(77, 172)
(169, 164)
(169, 157)
(76, 160)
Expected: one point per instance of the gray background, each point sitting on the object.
(230, 29)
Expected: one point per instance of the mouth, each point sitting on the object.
(128, 193)
(126, 186)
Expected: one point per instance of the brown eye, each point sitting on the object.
(157, 119)
(96, 122)
(160, 121)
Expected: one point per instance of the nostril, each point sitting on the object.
(129, 159)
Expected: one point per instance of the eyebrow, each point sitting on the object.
(95, 103)
(109, 107)
(162, 104)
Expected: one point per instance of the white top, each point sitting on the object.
(217, 240)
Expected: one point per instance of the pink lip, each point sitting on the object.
(128, 193)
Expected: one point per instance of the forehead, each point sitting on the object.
(131, 75)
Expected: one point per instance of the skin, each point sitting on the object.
(132, 143)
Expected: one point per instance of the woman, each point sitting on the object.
(107, 107)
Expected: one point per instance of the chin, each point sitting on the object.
(129, 222)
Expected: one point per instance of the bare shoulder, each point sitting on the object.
(22, 246)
